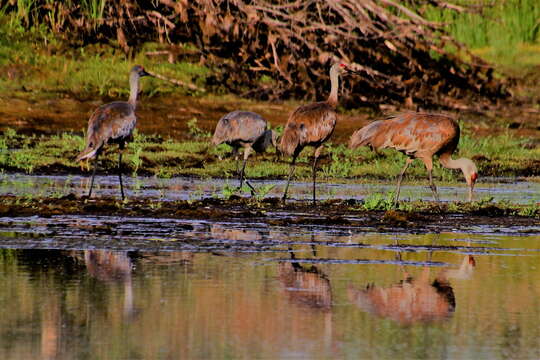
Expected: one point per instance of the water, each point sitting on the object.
(140, 288)
(110, 287)
(519, 192)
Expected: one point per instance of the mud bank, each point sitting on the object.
(422, 217)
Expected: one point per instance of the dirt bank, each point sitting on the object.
(430, 217)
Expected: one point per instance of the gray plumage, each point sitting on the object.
(244, 129)
(113, 123)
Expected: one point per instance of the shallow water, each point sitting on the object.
(108, 287)
(520, 192)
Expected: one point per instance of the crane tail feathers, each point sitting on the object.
(87, 153)
(358, 139)
(366, 135)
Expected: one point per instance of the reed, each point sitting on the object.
(496, 30)
(93, 9)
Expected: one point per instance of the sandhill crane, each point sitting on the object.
(312, 125)
(243, 129)
(113, 123)
(418, 135)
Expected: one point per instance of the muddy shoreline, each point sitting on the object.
(432, 217)
(51, 114)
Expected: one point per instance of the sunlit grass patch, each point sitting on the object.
(499, 31)
(500, 155)
(47, 67)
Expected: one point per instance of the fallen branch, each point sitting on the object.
(176, 82)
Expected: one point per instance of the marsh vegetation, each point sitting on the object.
(155, 155)
(190, 266)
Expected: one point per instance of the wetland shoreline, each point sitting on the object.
(422, 217)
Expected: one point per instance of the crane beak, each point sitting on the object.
(349, 71)
(144, 73)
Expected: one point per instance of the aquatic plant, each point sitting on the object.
(195, 131)
(227, 191)
(262, 191)
(378, 201)
(530, 210)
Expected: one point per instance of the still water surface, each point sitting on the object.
(182, 188)
(112, 288)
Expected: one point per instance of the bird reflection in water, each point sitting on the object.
(309, 289)
(57, 267)
(413, 300)
(222, 232)
(306, 286)
(113, 266)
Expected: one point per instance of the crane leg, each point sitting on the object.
(407, 163)
(314, 169)
(93, 175)
(235, 154)
(429, 166)
(120, 173)
(291, 171)
(433, 187)
(247, 152)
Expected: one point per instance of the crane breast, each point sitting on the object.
(112, 121)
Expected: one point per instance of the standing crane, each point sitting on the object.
(113, 123)
(312, 125)
(419, 136)
(244, 129)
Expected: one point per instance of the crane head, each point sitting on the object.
(344, 68)
(139, 70)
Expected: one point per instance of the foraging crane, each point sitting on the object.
(418, 135)
(243, 129)
(312, 125)
(113, 123)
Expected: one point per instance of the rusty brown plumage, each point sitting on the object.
(409, 302)
(308, 125)
(419, 136)
(112, 123)
(312, 125)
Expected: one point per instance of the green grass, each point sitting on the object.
(502, 32)
(508, 33)
(47, 67)
(500, 155)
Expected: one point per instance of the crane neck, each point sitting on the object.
(450, 163)
(334, 86)
(133, 89)
(466, 165)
